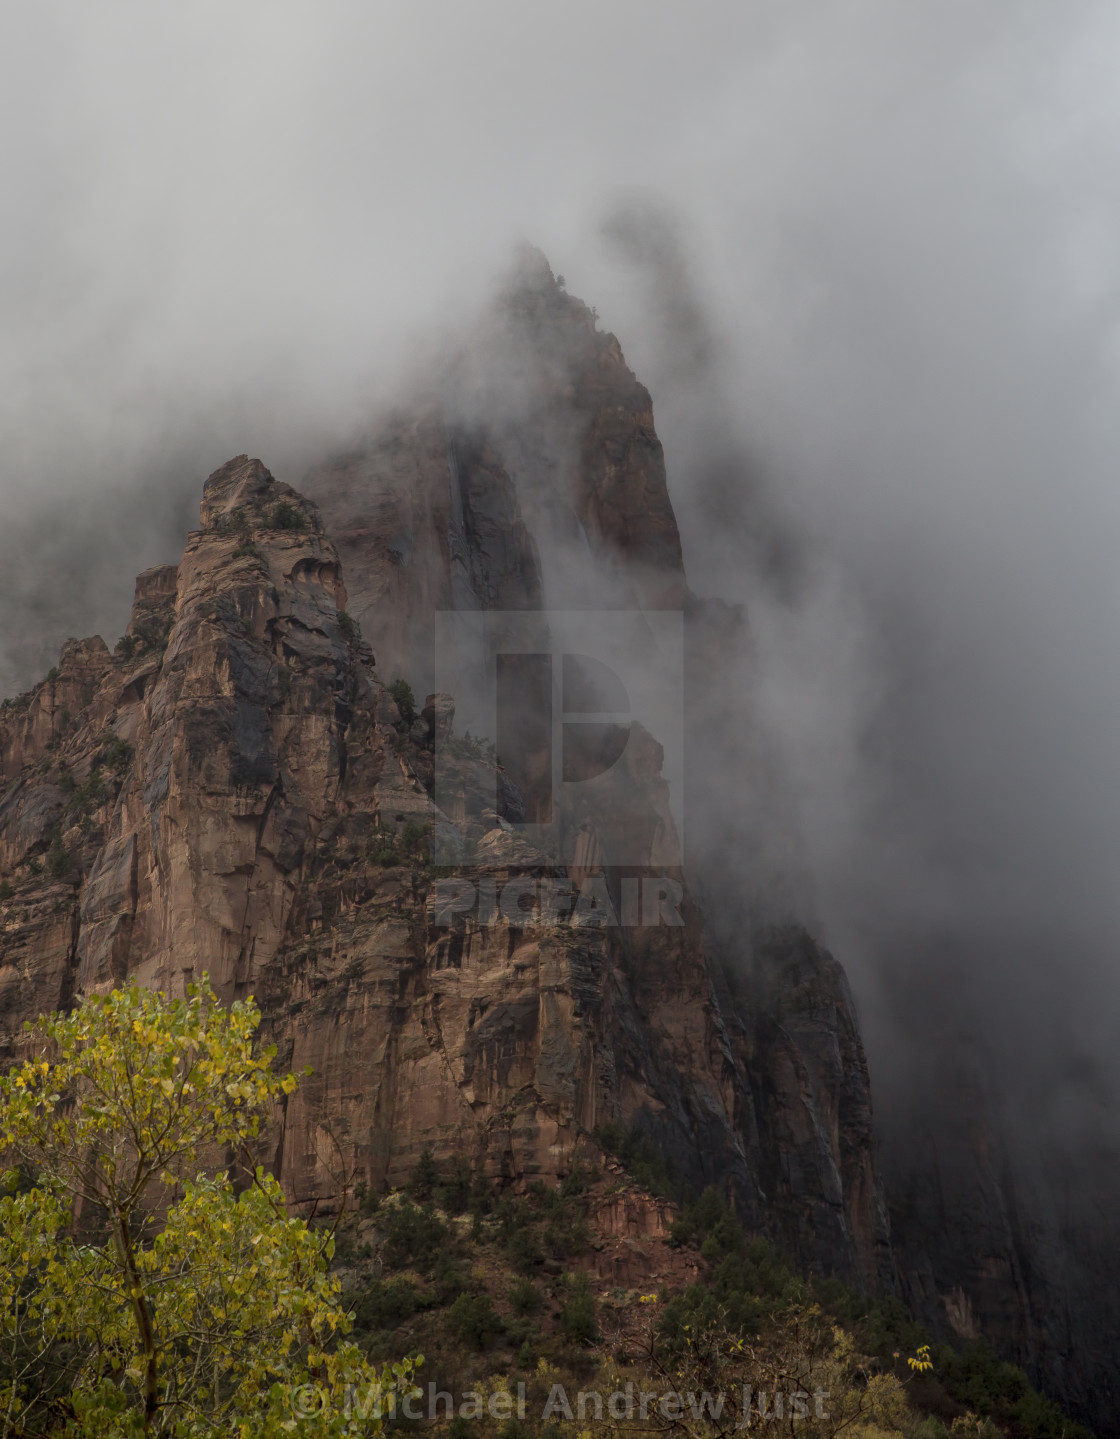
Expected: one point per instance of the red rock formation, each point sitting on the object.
(236, 791)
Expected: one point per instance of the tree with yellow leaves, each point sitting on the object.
(142, 1291)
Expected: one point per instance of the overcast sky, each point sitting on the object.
(231, 227)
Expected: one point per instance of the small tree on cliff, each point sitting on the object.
(185, 1308)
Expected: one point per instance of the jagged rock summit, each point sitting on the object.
(241, 788)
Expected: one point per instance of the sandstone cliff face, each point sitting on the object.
(235, 790)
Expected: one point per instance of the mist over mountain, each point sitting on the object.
(863, 258)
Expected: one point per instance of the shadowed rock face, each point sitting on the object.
(1031, 1264)
(236, 791)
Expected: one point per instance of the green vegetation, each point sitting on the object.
(411, 845)
(58, 859)
(115, 753)
(577, 1316)
(455, 1267)
(382, 850)
(448, 1245)
(745, 1279)
(148, 634)
(748, 1288)
(93, 793)
(415, 842)
(286, 516)
(640, 1157)
(405, 700)
(473, 1319)
(473, 747)
(424, 1177)
(187, 1304)
(525, 1297)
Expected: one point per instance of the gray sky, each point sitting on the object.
(231, 228)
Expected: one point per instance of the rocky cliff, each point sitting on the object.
(1011, 1241)
(240, 788)
(243, 786)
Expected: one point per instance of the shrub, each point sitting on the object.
(285, 516)
(474, 1320)
(567, 1237)
(116, 753)
(577, 1316)
(525, 1297)
(454, 1192)
(415, 841)
(424, 1177)
(93, 792)
(148, 634)
(448, 1277)
(525, 1249)
(413, 1236)
(386, 1303)
(367, 1199)
(58, 859)
(640, 1157)
(405, 700)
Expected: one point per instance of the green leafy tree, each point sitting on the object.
(142, 1291)
(577, 1315)
(424, 1177)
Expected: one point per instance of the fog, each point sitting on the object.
(864, 256)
